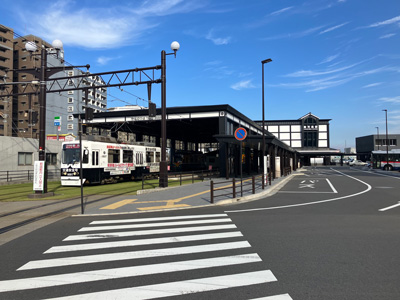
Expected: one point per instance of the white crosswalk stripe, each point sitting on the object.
(222, 249)
(147, 225)
(181, 287)
(146, 232)
(89, 259)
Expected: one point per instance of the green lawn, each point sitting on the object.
(20, 192)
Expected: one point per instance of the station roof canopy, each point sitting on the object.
(199, 124)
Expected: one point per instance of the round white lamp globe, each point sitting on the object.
(30, 46)
(57, 44)
(175, 46)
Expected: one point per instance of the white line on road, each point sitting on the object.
(390, 207)
(104, 235)
(157, 219)
(179, 288)
(114, 273)
(331, 185)
(311, 203)
(277, 297)
(98, 258)
(163, 224)
(130, 243)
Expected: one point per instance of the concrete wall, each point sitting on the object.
(11, 146)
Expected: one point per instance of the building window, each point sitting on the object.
(310, 139)
(70, 126)
(70, 109)
(70, 92)
(70, 100)
(51, 158)
(25, 158)
(382, 142)
(70, 73)
(70, 117)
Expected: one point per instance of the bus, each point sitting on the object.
(380, 159)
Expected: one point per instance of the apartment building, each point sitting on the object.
(20, 115)
(6, 62)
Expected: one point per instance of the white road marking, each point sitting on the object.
(157, 219)
(89, 259)
(311, 203)
(179, 288)
(114, 273)
(390, 207)
(172, 239)
(331, 185)
(277, 297)
(161, 224)
(104, 235)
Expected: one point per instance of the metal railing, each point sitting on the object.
(24, 176)
(247, 185)
(182, 177)
(255, 182)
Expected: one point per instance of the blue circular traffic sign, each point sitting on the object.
(240, 134)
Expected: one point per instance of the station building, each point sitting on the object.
(308, 135)
(193, 130)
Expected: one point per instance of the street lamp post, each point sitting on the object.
(43, 76)
(265, 61)
(377, 130)
(387, 142)
(164, 164)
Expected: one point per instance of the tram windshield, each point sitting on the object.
(70, 154)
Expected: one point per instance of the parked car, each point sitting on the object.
(357, 162)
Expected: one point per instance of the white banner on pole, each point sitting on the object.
(38, 176)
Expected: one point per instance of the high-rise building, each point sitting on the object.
(20, 115)
(6, 62)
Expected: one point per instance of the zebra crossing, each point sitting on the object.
(196, 244)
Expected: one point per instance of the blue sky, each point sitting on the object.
(339, 59)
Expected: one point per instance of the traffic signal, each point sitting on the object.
(152, 110)
(34, 117)
(89, 113)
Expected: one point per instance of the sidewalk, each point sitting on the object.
(180, 197)
(185, 196)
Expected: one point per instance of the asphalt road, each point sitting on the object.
(330, 233)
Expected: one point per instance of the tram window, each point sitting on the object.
(127, 156)
(158, 156)
(95, 158)
(149, 157)
(85, 158)
(113, 156)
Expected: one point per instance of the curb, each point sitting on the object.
(267, 193)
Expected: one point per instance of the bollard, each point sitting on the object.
(253, 184)
(233, 188)
(212, 191)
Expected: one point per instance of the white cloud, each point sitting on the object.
(294, 35)
(333, 28)
(372, 85)
(244, 84)
(386, 22)
(328, 82)
(278, 12)
(103, 60)
(217, 40)
(97, 27)
(391, 99)
(386, 36)
(329, 59)
(308, 73)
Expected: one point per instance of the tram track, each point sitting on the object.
(39, 217)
